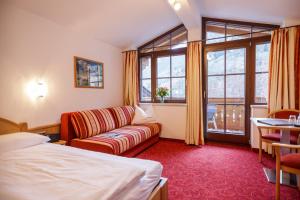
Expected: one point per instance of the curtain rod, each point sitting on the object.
(264, 30)
(128, 51)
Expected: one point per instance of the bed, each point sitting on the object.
(51, 171)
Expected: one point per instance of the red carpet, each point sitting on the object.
(215, 171)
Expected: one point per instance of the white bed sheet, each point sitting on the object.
(49, 171)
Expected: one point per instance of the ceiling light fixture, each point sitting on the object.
(176, 4)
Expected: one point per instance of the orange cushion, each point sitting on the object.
(291, 160)
(123, 115)
(92, 122)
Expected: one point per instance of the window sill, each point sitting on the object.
(165, 104)
(259, 106)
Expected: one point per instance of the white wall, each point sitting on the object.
(33, 48)
(172, 117)
(258, 111)
(290, 22)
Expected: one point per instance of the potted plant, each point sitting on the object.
(162, 92)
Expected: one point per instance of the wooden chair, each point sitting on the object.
(274, 136)
(289, 163)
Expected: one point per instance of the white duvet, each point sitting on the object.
(56, 172)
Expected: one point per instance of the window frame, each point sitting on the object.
(257, 41)
(154, 55)
(250, 43)
(252, 40)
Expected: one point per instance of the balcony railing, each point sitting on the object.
(231, 113)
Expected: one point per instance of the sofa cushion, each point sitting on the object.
(92, 122)
(291, 160)
(125, 138)
(123, 115)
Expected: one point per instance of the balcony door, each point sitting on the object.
(227, 88)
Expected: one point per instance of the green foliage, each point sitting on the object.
(162, 91)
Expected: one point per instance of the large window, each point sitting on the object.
(162, 63)
(236, 56)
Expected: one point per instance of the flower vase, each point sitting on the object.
(162, 99)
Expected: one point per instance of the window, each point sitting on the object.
(228, 33)
(261, 72)
(224, 30)
(145, 78)
(162, 63)
(236, 56)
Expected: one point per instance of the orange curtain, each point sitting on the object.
(284, 76)
(194, 125)
(130, 66)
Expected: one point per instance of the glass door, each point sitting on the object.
(226, 94)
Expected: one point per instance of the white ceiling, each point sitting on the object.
(130, 23)
(122, 23)
(265, 11)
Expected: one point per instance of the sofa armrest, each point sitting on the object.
(67, 132)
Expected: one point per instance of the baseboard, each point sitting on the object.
(172, 139)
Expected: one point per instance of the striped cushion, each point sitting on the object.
(92, 122)
(123, 115)
(125, 138)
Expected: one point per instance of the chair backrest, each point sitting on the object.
(285, 114)
(211, 110)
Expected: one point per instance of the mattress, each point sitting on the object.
(50, 171)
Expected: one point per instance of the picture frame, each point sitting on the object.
(88, 73)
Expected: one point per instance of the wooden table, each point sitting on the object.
(285, 138)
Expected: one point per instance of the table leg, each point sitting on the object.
(260, 146)
(285, 139)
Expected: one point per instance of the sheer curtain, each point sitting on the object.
(284, 77)
(194, 124)
(130, 66)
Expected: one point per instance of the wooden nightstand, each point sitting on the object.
(61, 142)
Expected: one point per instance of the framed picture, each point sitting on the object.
(88, 73)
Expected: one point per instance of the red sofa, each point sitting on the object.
(108, 130)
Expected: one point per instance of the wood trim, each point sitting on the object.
(160, 192)
(205, 19)
(46, 129)
(7, 126)
(283, 110)
(290, 146)
(161, 36)
(290, 169)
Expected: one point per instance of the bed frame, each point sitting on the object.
(160, 192)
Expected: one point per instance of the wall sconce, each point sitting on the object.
(176, 4)
(40, 90)
(36, 89)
